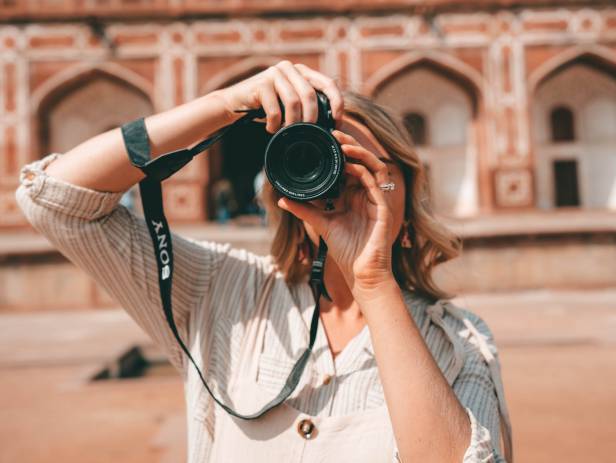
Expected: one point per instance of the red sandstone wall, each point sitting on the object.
(501, 55)
(46, 9)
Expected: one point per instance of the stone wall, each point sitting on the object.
(499, 56)
(566, 252)
(70, 70)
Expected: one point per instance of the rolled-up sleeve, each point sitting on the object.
(477, 392)
(480, 448)
(114, 247)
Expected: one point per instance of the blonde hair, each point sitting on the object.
(432, 243)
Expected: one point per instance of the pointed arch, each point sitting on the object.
(441, 63)
(238, 71)
(576, 91)
(73, 75)
(56, 88)
(596, 56)
(226, 168)
(440, 96)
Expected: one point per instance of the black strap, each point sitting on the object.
(317, 272)
(138, 148)
(158, 169)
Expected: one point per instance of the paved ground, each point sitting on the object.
(558, 352)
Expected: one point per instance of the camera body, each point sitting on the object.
(304, 161)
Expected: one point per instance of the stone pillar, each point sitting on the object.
(512, 172)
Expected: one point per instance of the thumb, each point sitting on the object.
(306, 212)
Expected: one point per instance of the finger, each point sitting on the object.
(307, 95)
(269, 102)
(366, 158)
(354, 150)
(375, 194)
(306, 212)
(370, 143)
(344, 137)
(288, 95)
(327, 85)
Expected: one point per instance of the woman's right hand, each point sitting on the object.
(294, 84)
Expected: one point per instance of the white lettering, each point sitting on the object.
(162, 241)
(158, 226)
(163, 254)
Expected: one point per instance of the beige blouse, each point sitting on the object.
(215, 291)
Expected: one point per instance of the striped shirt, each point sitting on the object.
(216, 287)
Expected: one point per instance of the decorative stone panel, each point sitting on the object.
(184, 201)
(503, 52)
(513, 188)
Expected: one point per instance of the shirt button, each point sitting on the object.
(327, 379)
(306, 428)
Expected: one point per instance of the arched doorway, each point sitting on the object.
(439, 111)
(89, 105)
(234, 164)
(574, 122)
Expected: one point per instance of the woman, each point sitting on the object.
(397, 372)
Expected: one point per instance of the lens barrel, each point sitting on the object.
(304, 161)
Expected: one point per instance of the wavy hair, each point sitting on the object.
(432, 242)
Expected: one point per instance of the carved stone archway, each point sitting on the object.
(582, 83)
(446, 95)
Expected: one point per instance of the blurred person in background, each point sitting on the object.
(224, 200)
(258, 186)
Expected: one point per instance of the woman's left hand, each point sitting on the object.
(358, 233)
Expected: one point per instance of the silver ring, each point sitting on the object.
(391, 186)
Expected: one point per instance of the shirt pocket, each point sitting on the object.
(375, 396)
(273, 371)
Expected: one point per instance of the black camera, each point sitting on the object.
(304, 161)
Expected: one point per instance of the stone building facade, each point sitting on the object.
(512, 104)
(516, 107)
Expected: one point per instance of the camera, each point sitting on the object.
(304, 161)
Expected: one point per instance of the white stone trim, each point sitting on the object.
(551, 65)
(439, 58)
(74, 71)
(220, 79)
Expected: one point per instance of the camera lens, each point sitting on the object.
(303, 161)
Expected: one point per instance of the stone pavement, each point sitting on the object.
(558, 352)
(52, 412)
(558, 356)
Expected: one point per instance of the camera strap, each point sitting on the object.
(158, 169)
